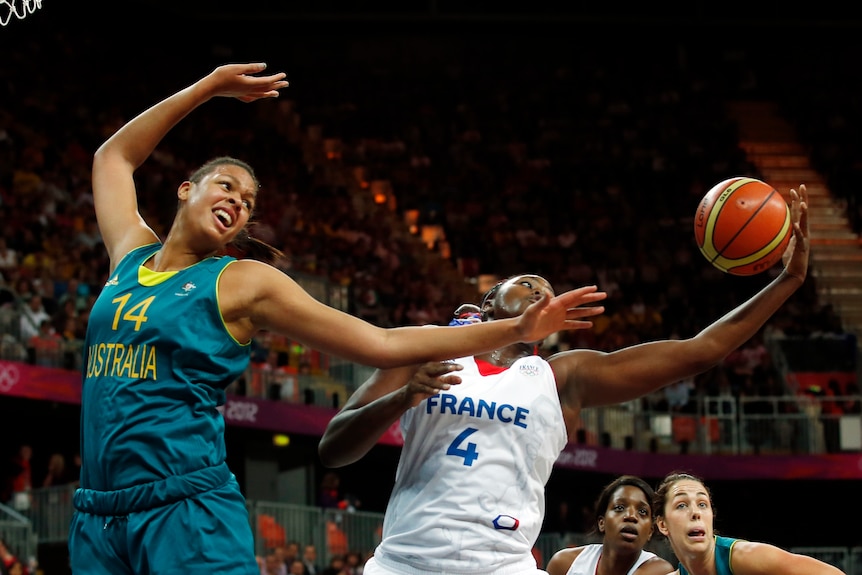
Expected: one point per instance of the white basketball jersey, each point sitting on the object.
(469, 488)
(588, 560)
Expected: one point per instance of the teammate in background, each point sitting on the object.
(684, 514)
(625, 520)
(171, 330)
(481, 433)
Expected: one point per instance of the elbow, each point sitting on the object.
(324, 453)
(330, 460)
(330, 457)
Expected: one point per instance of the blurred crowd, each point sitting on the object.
(411, 183)
(412, 173)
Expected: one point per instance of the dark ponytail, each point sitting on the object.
(244, 246)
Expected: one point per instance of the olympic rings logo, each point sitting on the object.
(9, 376)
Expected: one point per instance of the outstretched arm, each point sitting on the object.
(114, 194)
(274, 302)
(590, 378)
(376, 405)
(751, 558)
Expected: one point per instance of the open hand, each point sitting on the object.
(795, 257)
(237, 81)
(430, 379)
(563, 312)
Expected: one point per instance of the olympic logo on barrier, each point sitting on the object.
(9, 376)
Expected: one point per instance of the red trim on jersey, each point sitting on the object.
(486, 368)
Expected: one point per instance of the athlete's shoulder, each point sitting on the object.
(560, 561)
(653, 565)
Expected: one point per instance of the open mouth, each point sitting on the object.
(224, 217)
(629, 533)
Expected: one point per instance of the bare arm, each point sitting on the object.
(376, 405)
(274, 302)
(655, 566)
(590, 378)
(750, 558)
(114, 163)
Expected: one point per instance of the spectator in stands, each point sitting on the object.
(17, 567)
(75, 472)
(353, 563)
(32, 316)
(625, 521)
(678, 395)
(57, 473)
(22, 478)
(309, 560)
(24, 287)
(288, 553)
(158, 446)
(337, 566)
(8, 259)
(9, 563)
(272, 564)
(469, 476)
(684, 514)
(329, 495)
(46, 346)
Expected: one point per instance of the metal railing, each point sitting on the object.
(18, 534)
(728, 425)
(331, 531)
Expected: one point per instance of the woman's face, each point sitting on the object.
(220, 205)
(628, 519)
(517, 294)
(687, 519)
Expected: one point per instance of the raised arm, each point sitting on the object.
(114, 163)
(376, 405)
(590, 378)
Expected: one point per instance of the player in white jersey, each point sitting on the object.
(479, 483)
(470, 454)
(625, 521)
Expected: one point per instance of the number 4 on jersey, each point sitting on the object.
(469, 453)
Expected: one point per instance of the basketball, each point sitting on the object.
(742, 226)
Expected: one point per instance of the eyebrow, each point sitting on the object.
(696, 494)
(236, 180)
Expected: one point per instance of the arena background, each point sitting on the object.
(125, 55)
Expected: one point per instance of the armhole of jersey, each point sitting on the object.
(132, 251)
(218, 308)
(730, 556)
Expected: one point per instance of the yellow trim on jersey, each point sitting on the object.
(150, 278)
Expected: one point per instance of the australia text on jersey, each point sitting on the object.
(120, 360)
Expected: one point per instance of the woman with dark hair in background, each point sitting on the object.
(625, 521)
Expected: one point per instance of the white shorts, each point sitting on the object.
(373, 567)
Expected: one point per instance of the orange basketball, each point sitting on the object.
(742, 226)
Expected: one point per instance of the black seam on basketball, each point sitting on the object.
(720, 252)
